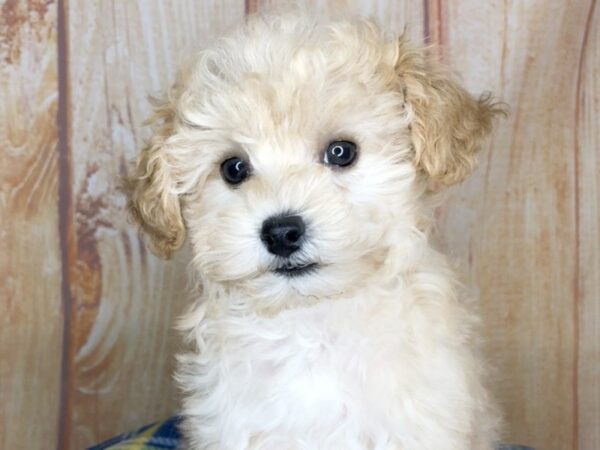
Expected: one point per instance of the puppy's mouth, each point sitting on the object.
(290, 270)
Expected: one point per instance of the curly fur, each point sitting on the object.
(449, 124)
(376, 350)
(152, 202)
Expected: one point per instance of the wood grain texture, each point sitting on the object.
(123, 300)
(588, 239)
(515, 221)
(30, 270)
(393, 15)
(527, 223)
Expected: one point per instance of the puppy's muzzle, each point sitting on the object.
(282, 235)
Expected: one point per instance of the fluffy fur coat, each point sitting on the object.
(373, 350)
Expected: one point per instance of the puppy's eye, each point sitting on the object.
(234, 170)
(340, 153)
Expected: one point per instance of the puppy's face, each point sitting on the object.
(306, 174)
(296, 156)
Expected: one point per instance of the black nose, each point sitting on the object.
(282, 235)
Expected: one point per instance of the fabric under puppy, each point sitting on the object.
(375, 348)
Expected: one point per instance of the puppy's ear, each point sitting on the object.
(152, 203)
(448, 123)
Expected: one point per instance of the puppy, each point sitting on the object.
(296, 156)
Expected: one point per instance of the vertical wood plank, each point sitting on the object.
(393, 15)
(123, 300)
(515, 221)
(588, 238)
(30, 258)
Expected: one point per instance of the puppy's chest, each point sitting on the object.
(314, 360)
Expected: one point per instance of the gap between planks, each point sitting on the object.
(64, 214)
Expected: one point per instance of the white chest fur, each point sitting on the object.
(390, 372)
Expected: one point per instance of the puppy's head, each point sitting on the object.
(296, 155)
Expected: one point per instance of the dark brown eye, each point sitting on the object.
(234, 170)
(340, 153)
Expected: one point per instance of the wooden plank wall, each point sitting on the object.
(85, 311)
(86, 342)
(587, 288)
(31, 321)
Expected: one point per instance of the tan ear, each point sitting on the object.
(149, 185)
(448, 123)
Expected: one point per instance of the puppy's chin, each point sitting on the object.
(275, 290)
(266, 287)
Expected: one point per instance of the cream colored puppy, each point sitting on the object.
(296, 155)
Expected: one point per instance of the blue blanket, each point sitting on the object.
(165, 435)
